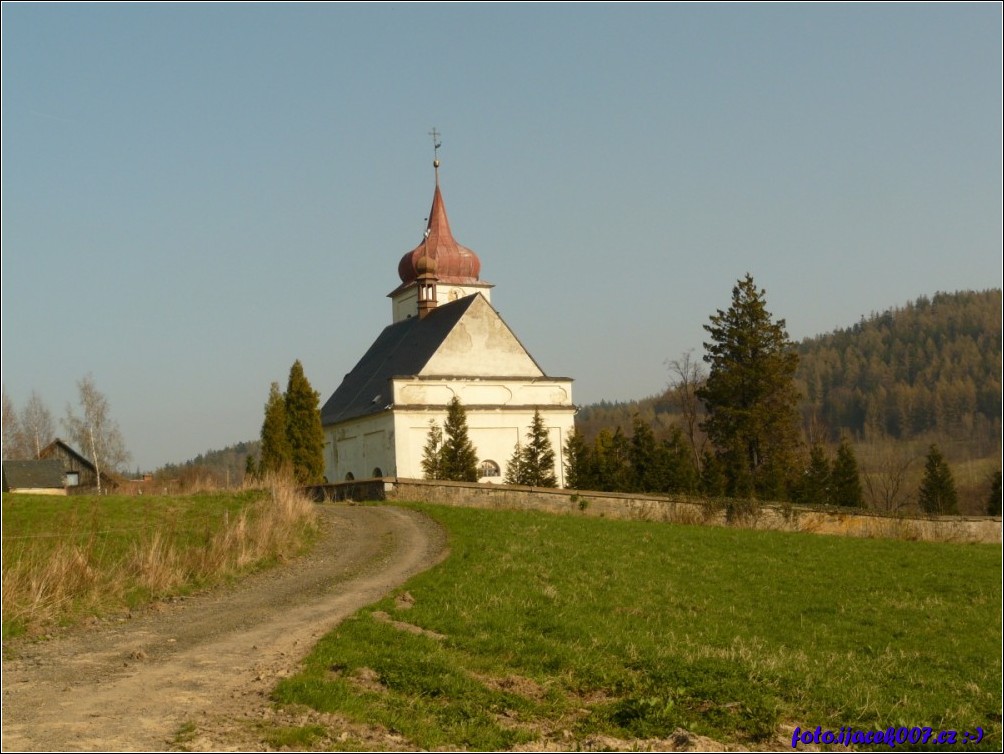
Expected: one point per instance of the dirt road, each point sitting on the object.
(197, 670)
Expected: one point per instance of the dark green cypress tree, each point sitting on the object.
(537, 463)
(937, 488)
(846, 481)
(750, 395)
(276, 455)
(303, 428)
(459, 459)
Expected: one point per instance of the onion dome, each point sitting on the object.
(454, 263)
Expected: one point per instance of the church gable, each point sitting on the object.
(481, 344)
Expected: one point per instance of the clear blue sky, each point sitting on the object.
(194, 196)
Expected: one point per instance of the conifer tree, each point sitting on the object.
(537, 457)
(458, 457)
(648, 462)
(514, 467)
(578, 462)
(713, 481)
(303, 428)
(276, 455)
(996, 495)
(432, 461)
(612, 461)
(937, 488)
(815, 487)
(750, 394)
(250, 468)
(676, 455)
(846, 481)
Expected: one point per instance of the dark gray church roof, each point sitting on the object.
(32, 475)
(401, 350)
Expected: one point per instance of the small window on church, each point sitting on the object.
(349, 477)
(377, 472)
(490, 468)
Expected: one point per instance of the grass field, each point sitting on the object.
(545, 628)
(65, 558)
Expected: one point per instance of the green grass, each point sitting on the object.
(632, 629)
(68, 557)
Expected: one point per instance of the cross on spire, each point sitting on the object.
(436, 144)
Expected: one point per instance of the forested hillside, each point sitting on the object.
(219, 468)
(930, 367)
(892, 386)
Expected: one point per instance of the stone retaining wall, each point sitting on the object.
(672, 509)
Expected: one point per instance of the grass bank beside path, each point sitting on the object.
(546, 630)
(68, 558)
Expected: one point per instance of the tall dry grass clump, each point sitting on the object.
(58, 577)
(275, 526)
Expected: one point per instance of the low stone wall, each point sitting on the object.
(672, 509)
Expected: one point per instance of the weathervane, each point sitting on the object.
(436, 144)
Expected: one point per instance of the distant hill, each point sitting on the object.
(931, 368)
(213, 468)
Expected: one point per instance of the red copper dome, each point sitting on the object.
(454, 263)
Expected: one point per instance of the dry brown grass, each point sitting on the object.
(58, 577)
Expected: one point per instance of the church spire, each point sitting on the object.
(454, 263)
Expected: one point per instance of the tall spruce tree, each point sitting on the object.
(432, 460)
(276, 454)
(846, 481)
(536, 468)
(750, 395)
(937, 488)
(458, 458)
(303, 428)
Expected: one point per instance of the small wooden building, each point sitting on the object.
(80, 474)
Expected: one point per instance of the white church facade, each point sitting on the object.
(445, 341)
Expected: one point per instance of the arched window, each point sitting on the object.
(377, 472)
(489, 468)
(349, 477)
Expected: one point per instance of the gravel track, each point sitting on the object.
(195, 673)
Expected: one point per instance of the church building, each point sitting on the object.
(445, 341)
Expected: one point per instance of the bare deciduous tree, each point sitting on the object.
(36, 425)
(12, 435)
(886, 481)
(96, 433)
(687, 375)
